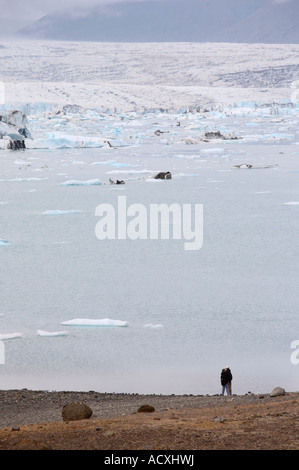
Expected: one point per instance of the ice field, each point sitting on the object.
(148, 316)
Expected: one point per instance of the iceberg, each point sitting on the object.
(95, 322)
(53, 333)
(81, 183)
(4, 243)
(292, 203)
(59, 140)
(14, 123)
(10, 336)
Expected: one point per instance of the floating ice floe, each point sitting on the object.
(81, 183)
(95, 322)
(60, 141)
(51, 333)
(4, 243)
(153, 326)
(190, 141)
(106, 162)
(10, 336)
(61, 212)
(116, 172)
(250, 166)
(292, 203)
(23, 180)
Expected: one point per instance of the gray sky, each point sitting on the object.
(15, 14)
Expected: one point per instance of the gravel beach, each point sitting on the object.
(33, 420)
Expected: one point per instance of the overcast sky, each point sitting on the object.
(15, 14)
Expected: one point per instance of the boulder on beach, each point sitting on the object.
(146, 409)
(277, 391)
(76, 412)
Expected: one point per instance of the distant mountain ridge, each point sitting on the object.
(248, 21)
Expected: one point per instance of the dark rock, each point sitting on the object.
(217, 135)
(76, 412)
(146, 409)
(163, 176)
(16, 144)
(71, 108)
(214, 135)
(158, 132)
(116, 182)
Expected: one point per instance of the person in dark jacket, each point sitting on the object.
(226, 381)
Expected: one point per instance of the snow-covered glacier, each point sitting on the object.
(105, 95)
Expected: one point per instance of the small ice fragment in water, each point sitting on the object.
(95, 322)
(152, 325)
(53, 333)
(60, 212)
(81, 183)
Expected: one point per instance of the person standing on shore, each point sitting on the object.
(226, 381)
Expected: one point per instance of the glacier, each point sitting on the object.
(191, 90)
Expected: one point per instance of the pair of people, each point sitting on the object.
(226, 381)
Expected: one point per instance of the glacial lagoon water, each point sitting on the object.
(189, 313)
